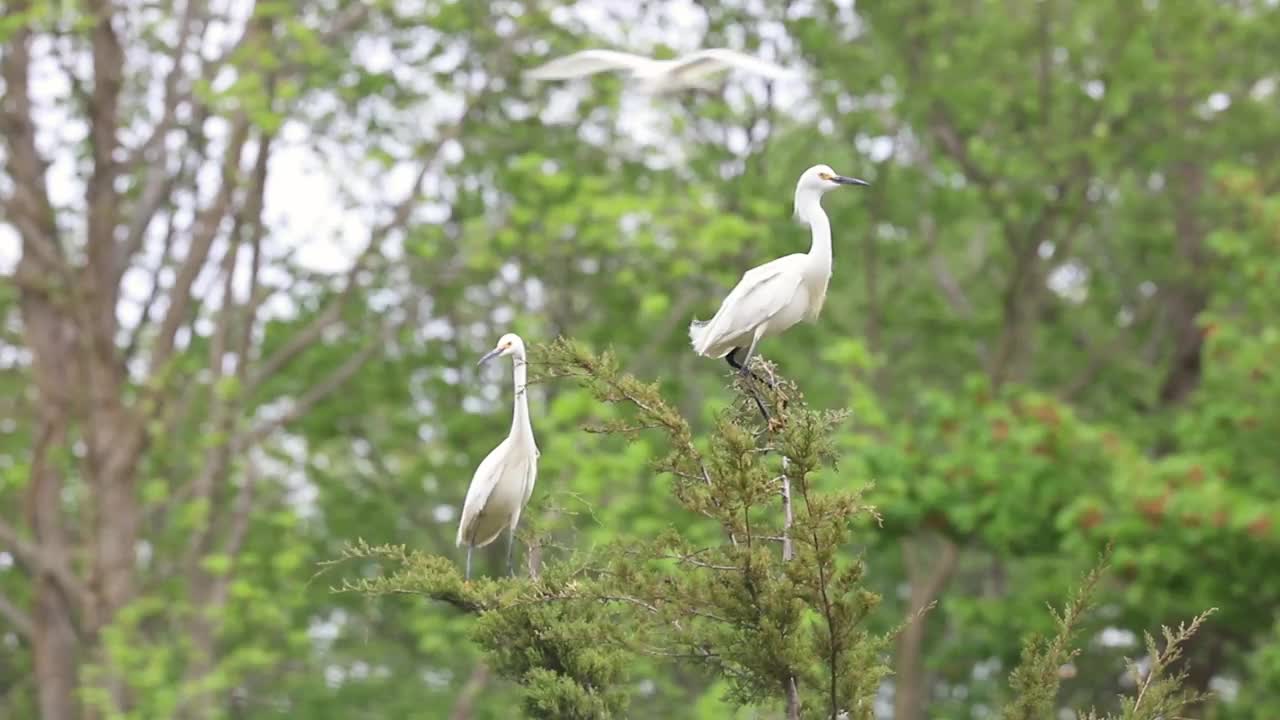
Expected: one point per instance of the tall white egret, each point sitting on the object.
(504, 481)
(771, 298)
(695, 70)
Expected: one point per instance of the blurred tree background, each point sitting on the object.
(251, 251)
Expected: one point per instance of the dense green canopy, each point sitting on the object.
(252, 250)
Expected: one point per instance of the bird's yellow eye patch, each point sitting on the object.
(824, 176)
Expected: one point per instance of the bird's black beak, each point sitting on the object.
(842, 180)
(489, 356)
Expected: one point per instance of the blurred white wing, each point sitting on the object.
(713, 60)
(760, 294)
(531, 477)
(483, 482)
(588, 62)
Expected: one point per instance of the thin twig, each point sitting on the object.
(788, 552)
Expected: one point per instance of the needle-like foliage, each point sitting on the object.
(1159, 695)
(775, 605)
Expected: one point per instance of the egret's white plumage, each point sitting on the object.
(504, 480)
(773, 297)
(695, 70)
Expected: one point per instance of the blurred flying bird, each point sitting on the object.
(695, 70)
(504, 481)
(771, 298)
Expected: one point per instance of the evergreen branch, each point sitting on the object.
(1160, 694)
(1036, 679)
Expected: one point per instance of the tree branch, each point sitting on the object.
(151, 157)
(302, 340)
(320, 391)
(18, 618)
(28, 208)
(38, 560)
(144, 316)
(224, 409)
(205, 229)
(788, 552)
(101, 197)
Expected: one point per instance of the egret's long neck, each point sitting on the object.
(809, 209)
(520, 416)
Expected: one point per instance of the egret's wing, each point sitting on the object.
(483, 482)
(702, 63)
(531, 476)
(758, 296)
(587, 62)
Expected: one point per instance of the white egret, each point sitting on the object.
(695, 70)
(771, 298)
(504, 480)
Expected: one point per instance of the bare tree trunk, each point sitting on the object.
(83, 567)
(793, 700)
(1186, 299)
(466, 701)
(115, 565)
(42, 274)
(54, 645)
(910, 688)
(54, 640)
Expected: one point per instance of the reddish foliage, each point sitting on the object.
(1091, 519)
(999, 430)
(1153, 509)
(1111, 442)
(1195, 476)
(1220, 518)
(1047, 414)
(1260, 528)
(936, 520)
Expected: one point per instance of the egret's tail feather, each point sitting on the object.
(697, 334)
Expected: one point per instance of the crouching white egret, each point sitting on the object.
(504, 481)
(771, 298)
(695, 70)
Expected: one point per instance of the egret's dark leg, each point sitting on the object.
(511, 543)
(741, 367)
(468, 562)
(732, 359)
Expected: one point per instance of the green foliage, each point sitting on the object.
(1160, 688)
(779, 626)
(554, 636)
(770, 606)
(1052, 324)
(1034, 683)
